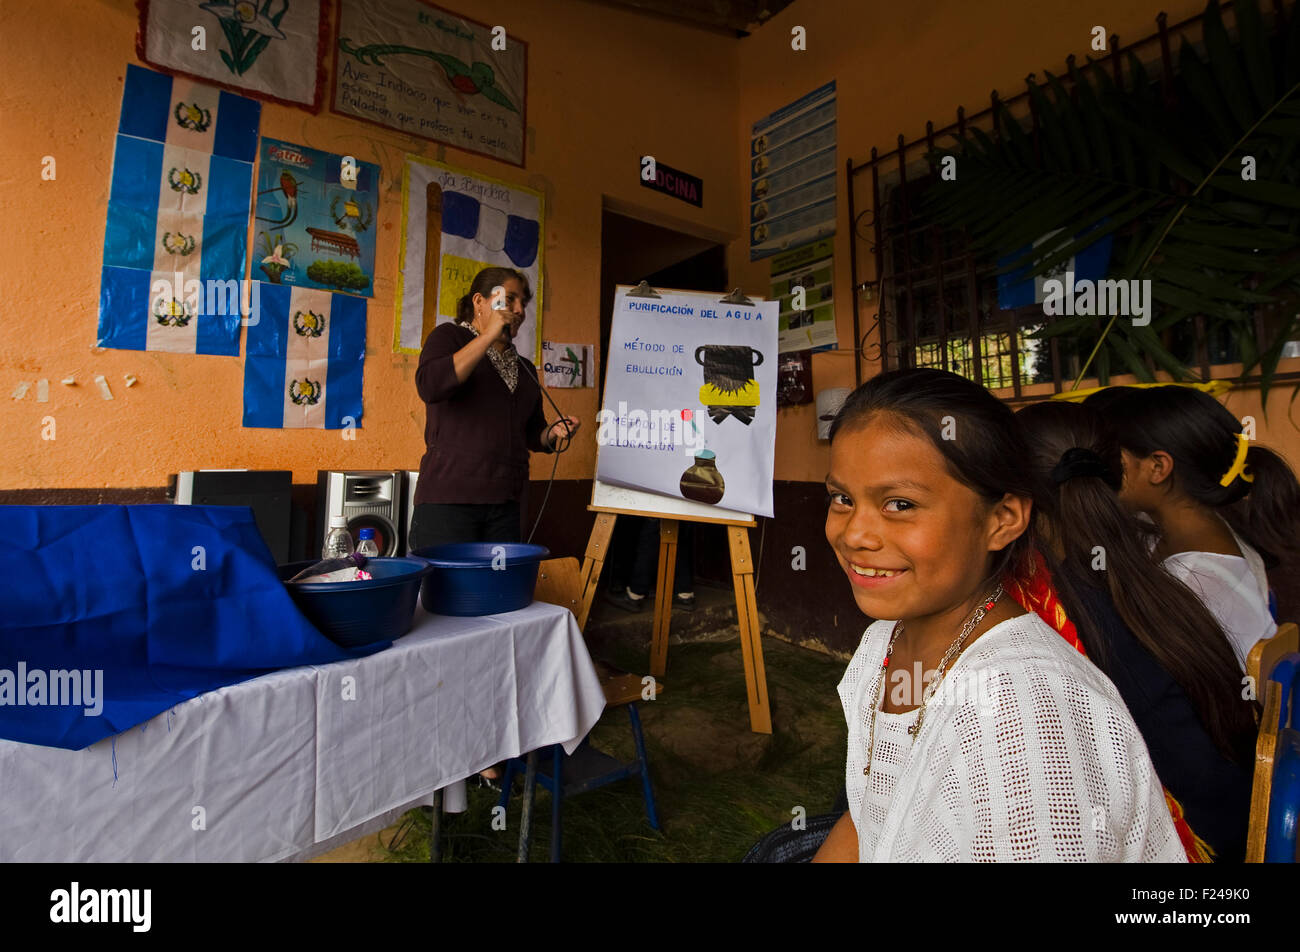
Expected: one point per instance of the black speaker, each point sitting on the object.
(267, 492)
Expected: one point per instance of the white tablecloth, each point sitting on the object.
(288, 765)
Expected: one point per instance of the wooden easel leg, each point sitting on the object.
(663, 596)
(594, 560)
(751, 647)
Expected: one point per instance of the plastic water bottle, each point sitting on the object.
(339, 541)
(367, 546)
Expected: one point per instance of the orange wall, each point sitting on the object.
(896, 66)
(604, 87)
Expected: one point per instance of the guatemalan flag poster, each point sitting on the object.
(306, 349)
(176, 236)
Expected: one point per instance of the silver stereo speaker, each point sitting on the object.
(369, 499)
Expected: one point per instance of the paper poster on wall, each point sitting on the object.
(175, 237)
(690, 399)
(568, 365)
(792, 175)
(485, 223)
(315, 220)
(812, 269)
(428, 72)
(272, 49)
(304, 360)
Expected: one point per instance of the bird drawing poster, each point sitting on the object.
(272, 49)
(428, 72)
(315, 220)
(175, 238)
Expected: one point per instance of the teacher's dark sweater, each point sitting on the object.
(477, 434)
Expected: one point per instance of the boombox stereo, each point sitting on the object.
(371, 499)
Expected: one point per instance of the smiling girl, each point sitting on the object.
(1018, 749)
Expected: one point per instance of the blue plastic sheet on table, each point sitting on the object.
(162, 602)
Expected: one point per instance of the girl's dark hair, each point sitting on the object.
(1165, 616)
(1201, 436)
(974, 431)
(483, 283)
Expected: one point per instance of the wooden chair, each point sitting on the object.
(559, 582)
(1275, 731)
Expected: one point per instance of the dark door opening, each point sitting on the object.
(632, 251)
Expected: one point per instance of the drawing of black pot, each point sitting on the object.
(729, 385)
(702, 482)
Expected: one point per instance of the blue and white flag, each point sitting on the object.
(1017, 290)
(175, 241)
(187, 114)
(304, 359)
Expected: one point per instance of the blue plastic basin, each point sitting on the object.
(355, 614)
(480, 578)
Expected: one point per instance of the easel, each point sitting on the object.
(742, 569)
(742, 578)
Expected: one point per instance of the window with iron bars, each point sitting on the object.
(939, 305)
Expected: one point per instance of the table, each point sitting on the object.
(289, 765)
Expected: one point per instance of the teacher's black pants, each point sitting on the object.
(436, 523)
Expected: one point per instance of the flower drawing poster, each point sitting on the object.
(273, 49)
(315, 219)
(428, 72)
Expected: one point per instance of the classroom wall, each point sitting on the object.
(604, 87)
(897, 66)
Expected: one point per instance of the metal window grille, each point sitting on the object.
(937, 303)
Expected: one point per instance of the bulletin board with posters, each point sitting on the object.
(484, 222)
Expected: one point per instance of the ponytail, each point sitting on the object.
(1267, 517)
(1084, 516)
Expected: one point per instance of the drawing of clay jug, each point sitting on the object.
(702, 482)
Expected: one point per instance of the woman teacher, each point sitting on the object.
(483, 406)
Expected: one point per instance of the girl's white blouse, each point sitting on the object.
(1234, 589)
(1028, 754)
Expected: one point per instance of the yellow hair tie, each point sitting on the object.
(1239, 464)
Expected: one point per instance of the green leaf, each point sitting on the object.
(1093, 119)
(1225, 67)
(1288, 196)
(1199, 84)
(254, 52)
(1129, 356)
(1048, 132)
(1193, 254)
(1013, 134)
(1255, 49)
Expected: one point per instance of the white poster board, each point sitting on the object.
(485, 222)
(690, 401)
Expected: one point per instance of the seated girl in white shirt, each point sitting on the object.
(1218, 500)
(1021, 749)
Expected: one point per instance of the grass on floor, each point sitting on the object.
(718, 786)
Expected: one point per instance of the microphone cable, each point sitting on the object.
(568, 435)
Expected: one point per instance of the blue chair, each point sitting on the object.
(559, 583)
(1275, 797)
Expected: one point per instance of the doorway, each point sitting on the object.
(631, 251)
